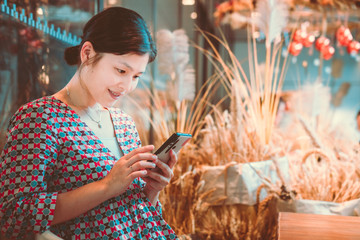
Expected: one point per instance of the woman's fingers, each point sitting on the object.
(140, 157)
(136, 174)
(129, 167)
(173, 159)
(144, 149)
(156, 177)
(138, 165)
(165, 169)
(140, 154)
(141, 165)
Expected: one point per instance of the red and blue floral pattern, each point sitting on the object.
(49, 150)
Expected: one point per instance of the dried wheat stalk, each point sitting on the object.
(246, 133)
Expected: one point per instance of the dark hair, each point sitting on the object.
(115, 30)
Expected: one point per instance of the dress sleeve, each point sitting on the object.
(158, 207)
(26, 165)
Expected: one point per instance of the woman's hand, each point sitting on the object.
(157, 180)
(127, 168)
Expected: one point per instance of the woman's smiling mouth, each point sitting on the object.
(118, 94)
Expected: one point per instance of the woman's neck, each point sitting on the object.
(76, 95)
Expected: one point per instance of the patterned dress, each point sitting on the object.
(49, 150)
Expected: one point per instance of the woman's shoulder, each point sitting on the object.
(44, 105)
(40, 108)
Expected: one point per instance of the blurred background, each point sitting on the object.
(34, 34)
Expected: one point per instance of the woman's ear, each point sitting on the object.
(87, 52)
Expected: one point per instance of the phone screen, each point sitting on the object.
(175, 142)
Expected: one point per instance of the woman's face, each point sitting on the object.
(113, 76)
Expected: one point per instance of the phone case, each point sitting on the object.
(175, 142)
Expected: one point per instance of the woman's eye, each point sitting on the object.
(120, 70)
(136, 77)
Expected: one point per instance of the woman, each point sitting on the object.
(73, 165)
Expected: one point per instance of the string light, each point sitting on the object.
(193, 15)
(188, 2)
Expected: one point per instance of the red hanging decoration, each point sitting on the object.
(309, 40)
(327, 52)
(353, 48)
(322, 42)
(299, 36)
(295, 48)
(344, 36)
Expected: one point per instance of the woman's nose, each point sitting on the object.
(125, 82)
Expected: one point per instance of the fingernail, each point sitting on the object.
(153, 165)
(154, 157)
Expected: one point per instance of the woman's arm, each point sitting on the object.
(26, 205)
(78, 201)
(152, 195)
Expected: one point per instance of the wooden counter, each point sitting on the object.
(300, 226)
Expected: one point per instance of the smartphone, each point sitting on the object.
(175, 142)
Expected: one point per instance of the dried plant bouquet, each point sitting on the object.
(322, 165)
